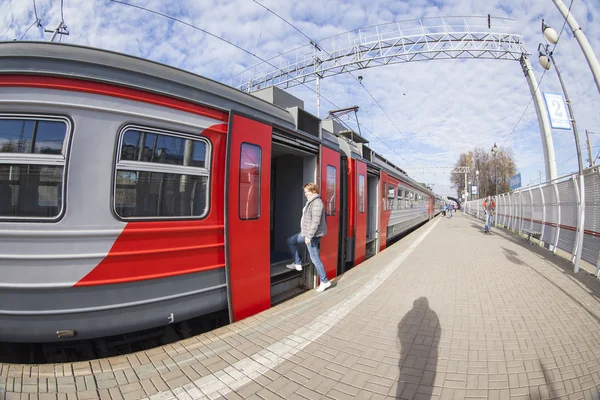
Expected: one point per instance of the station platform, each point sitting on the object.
(446, 313)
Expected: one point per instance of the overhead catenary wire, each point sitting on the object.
(214, 36)
(234, 45)
(316, 45)
(27, 30)
(575, 155)
(37, 21)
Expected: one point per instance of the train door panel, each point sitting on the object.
(372, 214)
(345, 210)
(361, 213)
(385, 214)
(248, 217)
(330, 194)
(351, 190)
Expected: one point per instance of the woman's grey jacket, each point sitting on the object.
(313, 218)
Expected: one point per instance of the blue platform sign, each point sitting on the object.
(557, 111)
(515, 182)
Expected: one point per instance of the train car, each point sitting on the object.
(135, 195)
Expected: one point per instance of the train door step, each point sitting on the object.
(285, 282)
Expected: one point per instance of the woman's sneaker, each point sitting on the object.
(297, 267)
(323, 286)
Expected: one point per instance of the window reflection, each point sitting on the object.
(145, 192)
(330, 190)
(249, 189)
(163, 149)
(30, 187)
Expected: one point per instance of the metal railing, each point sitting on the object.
(550, 211)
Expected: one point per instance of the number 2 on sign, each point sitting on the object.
(557, 109)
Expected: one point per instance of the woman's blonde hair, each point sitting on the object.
(311, 187)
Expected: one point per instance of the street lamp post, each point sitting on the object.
(477, 180)
(494, 152)
(546, 59)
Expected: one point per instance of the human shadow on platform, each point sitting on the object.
(419, 333)
(512, 256)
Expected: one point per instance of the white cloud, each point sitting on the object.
(448, 107)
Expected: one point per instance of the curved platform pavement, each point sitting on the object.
(448, 312)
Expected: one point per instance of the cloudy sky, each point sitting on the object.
(439, 108)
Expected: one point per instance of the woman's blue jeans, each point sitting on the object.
(313, 251)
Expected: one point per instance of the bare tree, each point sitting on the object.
(500, 167)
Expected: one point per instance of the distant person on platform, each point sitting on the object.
(444, 209)
(489, 207)
(312, 228)
(450, 209)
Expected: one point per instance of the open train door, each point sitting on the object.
(247, 218)
(330, 194)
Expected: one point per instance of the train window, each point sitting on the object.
(157, 148)
(361, 193)
(391, 196)
(330, 189)
(32, 167)
(161, 175)
(400, 201)
(250, 172)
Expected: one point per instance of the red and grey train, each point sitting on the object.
(135, 195)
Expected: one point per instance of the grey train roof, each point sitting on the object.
(72, 61)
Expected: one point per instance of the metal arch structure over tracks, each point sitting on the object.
(393, 43)
(426, 39)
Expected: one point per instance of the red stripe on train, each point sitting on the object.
(79, 85)
(160, 249)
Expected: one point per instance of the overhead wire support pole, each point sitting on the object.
(318, 90)
(61, 29)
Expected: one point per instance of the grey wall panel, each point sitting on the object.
(36, 315)
(592, 202)
(400, 216)
(549, 234)
(89, 298)
(568, 203)
(537, 207)
(527, 211)
(551, 213)
(566, 241)
(591, 249)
